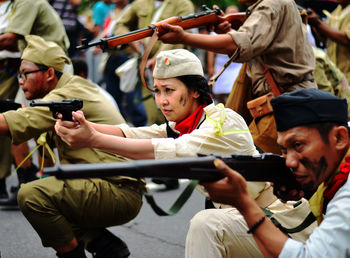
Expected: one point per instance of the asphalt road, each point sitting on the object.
(148, 235)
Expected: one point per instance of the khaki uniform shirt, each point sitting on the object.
(37, 17)
(273, 35)
(203, 140)
(328, 77)
(140, 13)
(338, 53)
(29, 122)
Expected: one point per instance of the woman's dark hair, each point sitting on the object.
(200, 84)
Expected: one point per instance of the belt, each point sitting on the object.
(135, 186)
(307, 77)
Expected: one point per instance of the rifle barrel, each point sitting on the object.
(266, 167)
(120, 39)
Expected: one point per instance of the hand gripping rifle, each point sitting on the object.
(265, 167)
(8, 104)
(65, 107)
(207, 17)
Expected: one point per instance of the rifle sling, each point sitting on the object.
(310, 218)
(180, 201)
(145, 56)
(216, 76)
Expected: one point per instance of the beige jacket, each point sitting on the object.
(273, 34)
(338, 53)
(203, 140)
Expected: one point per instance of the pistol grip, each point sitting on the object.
(67, 115)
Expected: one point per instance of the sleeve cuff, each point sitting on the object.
(290, 249)
(243, 52)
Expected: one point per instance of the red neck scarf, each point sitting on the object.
(338, 180)
(190, 123)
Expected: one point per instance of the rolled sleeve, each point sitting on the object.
(16, 23)
(145, 132)
(244, 48)
(164, 148)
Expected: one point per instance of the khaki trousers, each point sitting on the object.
(60, 210)
(220, 233)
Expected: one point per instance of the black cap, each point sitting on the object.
(308, 106)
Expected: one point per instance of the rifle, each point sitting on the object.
(65, 107)
(265, 167)
(205, 18)
(8, 104)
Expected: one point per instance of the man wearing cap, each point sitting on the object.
(314, 139)
(65, 212)
(19, 18)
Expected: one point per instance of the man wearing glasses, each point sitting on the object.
(40, 76)
(16, 21)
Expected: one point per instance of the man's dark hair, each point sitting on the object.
(44, 68)
(200, 84)
(80, 67)
(325, 128)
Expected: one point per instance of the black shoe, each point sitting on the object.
(108, 246)
(12, 199)
(3, 190)
(169, 183)
(24, 175)
(78, 252)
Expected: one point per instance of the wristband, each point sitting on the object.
(256, 225)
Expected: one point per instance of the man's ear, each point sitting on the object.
(339, 137)
(51, 74)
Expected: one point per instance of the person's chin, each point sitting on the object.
(28, 96)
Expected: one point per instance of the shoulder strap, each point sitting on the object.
(310, 218)
(181, 200)
(216, 76)
(274, 88)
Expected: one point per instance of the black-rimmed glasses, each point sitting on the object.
(23, 76)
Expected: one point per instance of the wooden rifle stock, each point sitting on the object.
(205, 18)
(265, 167)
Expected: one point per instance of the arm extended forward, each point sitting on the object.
(207, 17)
